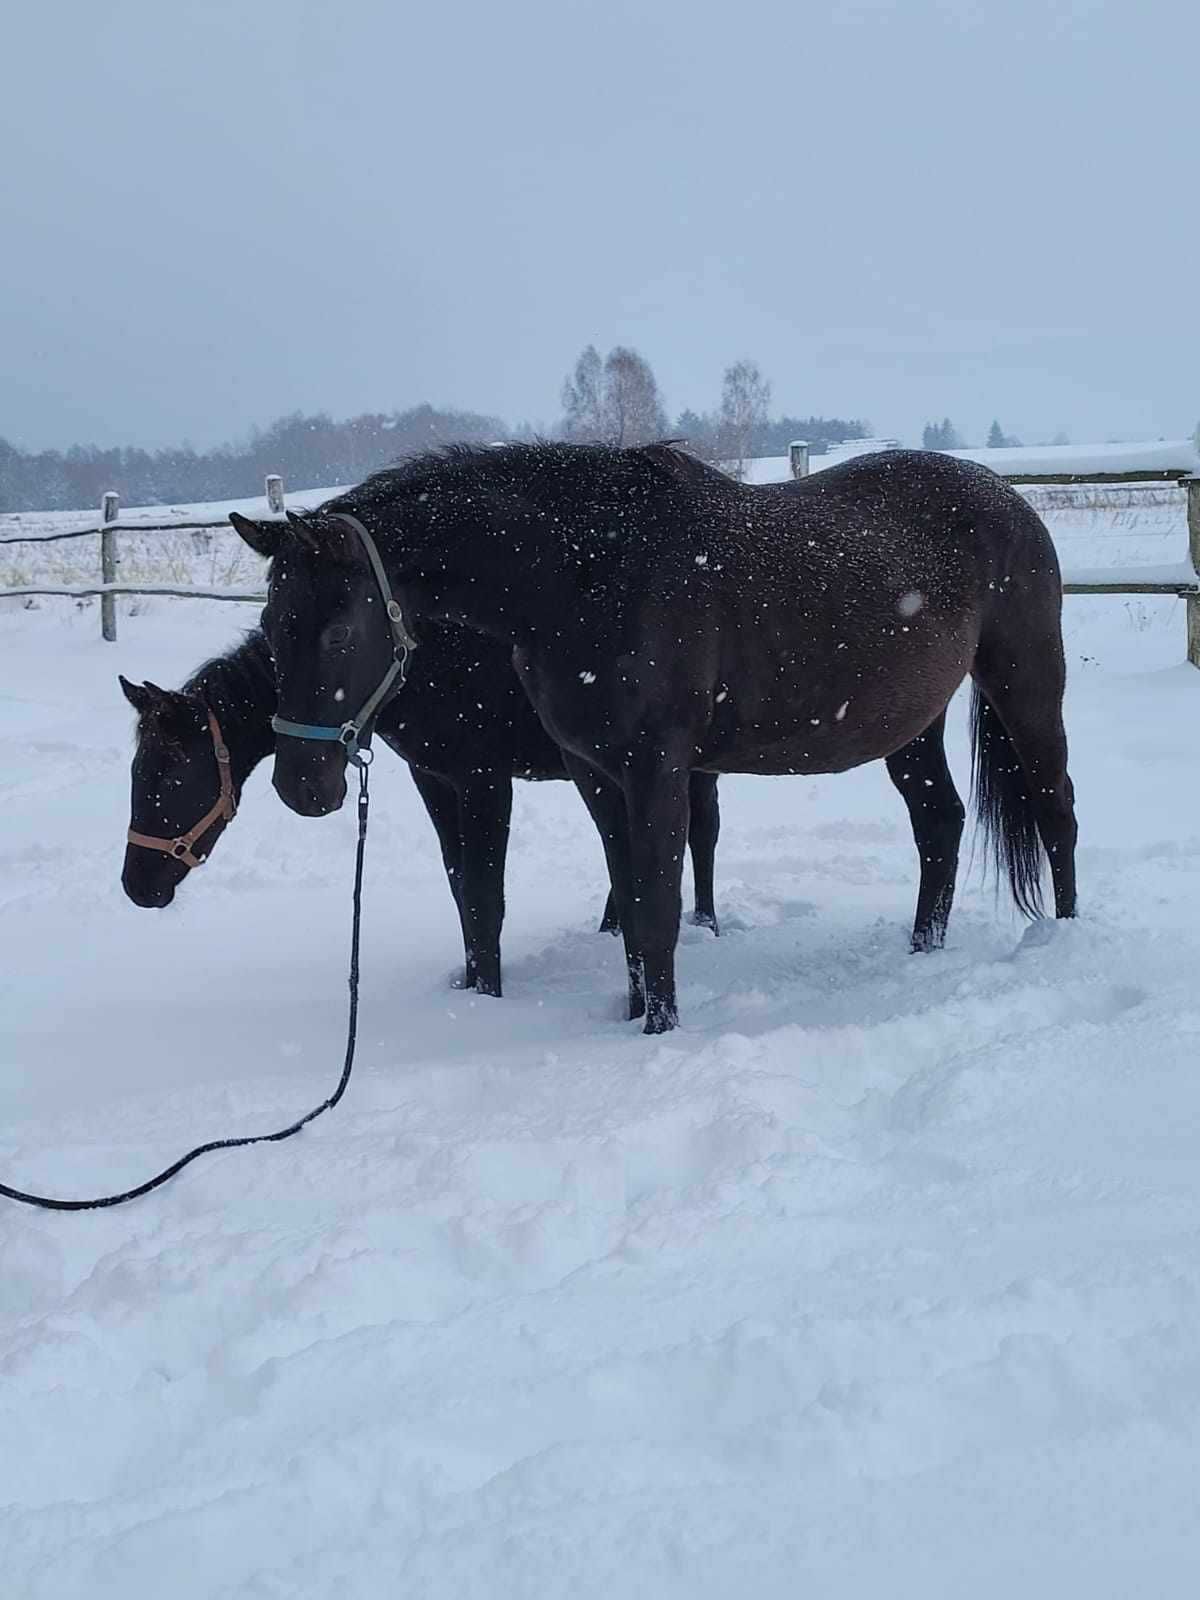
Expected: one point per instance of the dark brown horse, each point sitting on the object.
(464, 727)
(664, 620)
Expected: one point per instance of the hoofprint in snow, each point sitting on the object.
(881, 1276)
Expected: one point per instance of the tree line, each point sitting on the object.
(310, 451)
(614, 398)
(944, 435)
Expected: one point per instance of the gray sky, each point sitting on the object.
(219, 212)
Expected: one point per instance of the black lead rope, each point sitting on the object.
(50, 1204)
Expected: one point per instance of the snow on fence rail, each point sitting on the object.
(1166, 461)
(1172, 461)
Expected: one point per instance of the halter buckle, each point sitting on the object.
(404, 640)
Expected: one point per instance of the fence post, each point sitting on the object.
(108, 565)
(1193, 600)
(798, 458)
(274, 494)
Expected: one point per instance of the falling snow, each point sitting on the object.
(878, 1278)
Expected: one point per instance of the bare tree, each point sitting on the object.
(745, 405)
(583, 398)
(614, 401)
(633, 410)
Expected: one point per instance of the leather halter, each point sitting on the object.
(347, 733)
(180, 849)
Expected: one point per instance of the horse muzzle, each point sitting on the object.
(310, 781)
(151, 886)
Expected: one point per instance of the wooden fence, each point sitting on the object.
(108, 588)
(1151, 464)
(1184, 580)
(1175, 462)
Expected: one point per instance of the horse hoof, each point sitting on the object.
(707, 919)
(661, 1019)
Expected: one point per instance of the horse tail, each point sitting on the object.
(1004, 806)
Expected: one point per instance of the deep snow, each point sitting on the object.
(1162, 455)
(880, 1276)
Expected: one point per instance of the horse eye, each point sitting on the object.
(338, 634)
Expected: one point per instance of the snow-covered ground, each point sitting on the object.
(881, 1276)
(1162, 455)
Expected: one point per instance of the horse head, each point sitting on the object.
(338, 641)
(182, 791)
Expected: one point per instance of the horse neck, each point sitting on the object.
(239, 689)
(504, 587)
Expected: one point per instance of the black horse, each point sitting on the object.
(465, 728)
(665, 619)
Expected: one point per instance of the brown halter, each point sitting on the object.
(226, 807)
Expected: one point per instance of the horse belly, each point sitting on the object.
(844, 726)
(820, 750)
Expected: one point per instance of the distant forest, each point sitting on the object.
(311, 452)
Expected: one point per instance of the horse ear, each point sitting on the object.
(303, 530)
(330, 538)
(262, 537)
(138, 694)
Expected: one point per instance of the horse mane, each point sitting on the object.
(535, 468)
(244, 675)
(237, 682)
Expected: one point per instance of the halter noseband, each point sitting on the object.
(348, 733)
(226, 808)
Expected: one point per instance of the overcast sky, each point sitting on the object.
(219, 212)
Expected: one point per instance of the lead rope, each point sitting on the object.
(50, 1204)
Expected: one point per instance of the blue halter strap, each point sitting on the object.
(351, 733)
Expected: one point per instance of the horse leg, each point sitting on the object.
(484, 813)
(703, 829)
(656, 800)
(610, 922)
(441, 802)
(920, 773)
(702, 839)
(1018, 710)
(606, 805)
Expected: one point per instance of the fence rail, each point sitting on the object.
(176, 591)
(1181, 580)
(118, 527)
(1163, 475)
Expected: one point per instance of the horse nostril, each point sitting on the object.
(150, 896)
(301, 795)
